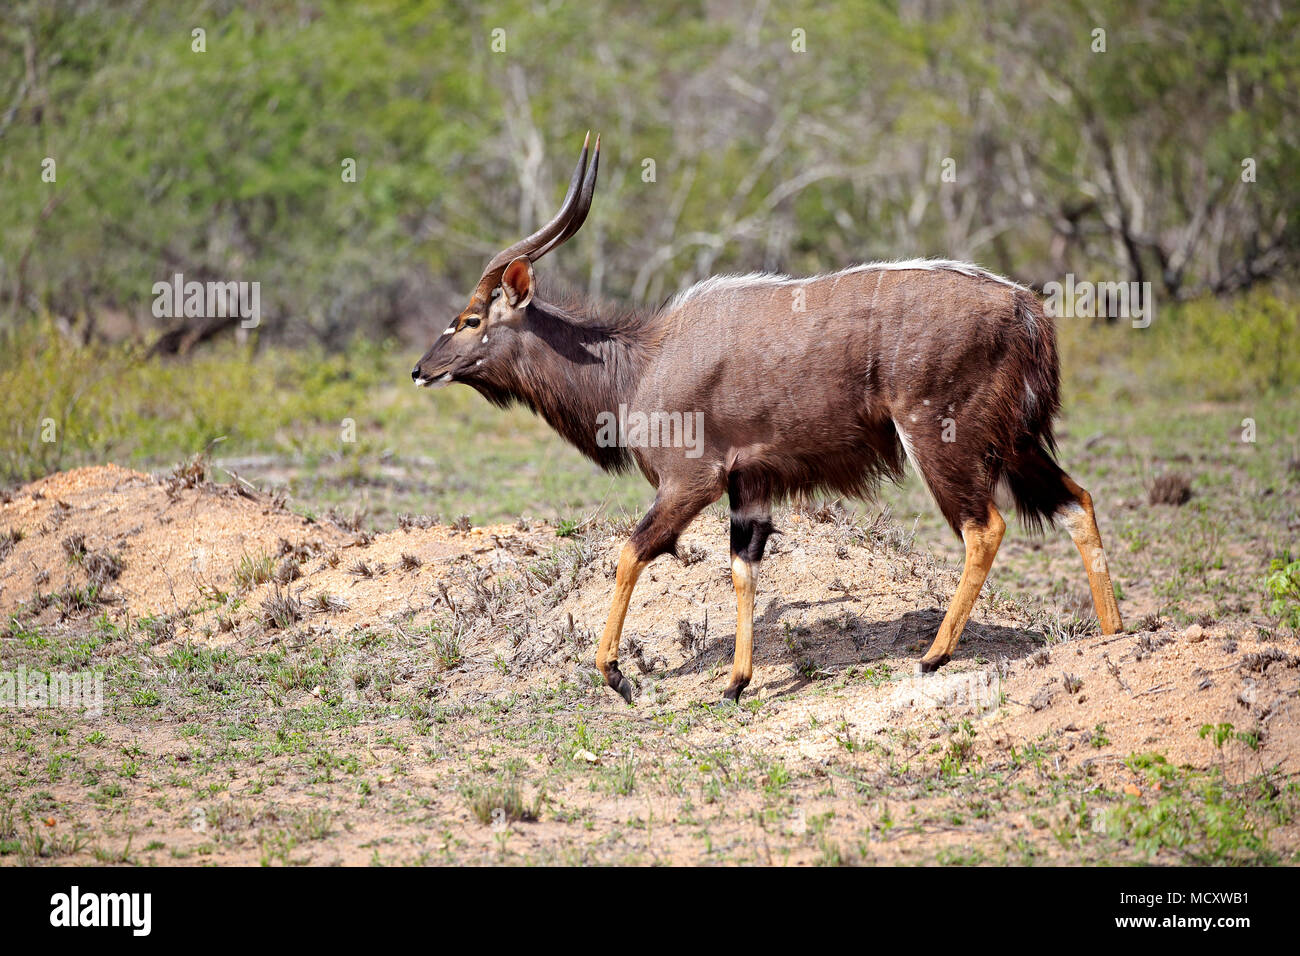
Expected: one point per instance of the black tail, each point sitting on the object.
(1034, 477)
(1037, 485)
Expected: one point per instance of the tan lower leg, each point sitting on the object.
(1081, 521)
(982, 542)
(744, 576)
(629, 569)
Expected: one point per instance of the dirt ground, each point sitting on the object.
(281, 690)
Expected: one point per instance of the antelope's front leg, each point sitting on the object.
(629, 569)
(656, 534)
(744, 576)
(751, 525)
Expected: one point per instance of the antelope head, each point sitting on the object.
(485, 329)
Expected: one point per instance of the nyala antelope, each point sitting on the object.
(818, 385)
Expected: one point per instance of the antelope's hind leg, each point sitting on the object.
(982, 540)
(1081, 521)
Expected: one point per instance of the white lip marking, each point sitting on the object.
(421, 382)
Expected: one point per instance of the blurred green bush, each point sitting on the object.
(802, 138)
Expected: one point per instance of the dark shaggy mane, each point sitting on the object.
(582, 356)
(595, 313)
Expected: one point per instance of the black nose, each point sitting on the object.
(415, 374)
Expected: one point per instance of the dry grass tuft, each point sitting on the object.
(280, 609)
(1170, 489)
(188, 474)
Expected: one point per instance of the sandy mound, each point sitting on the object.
(174, 540)
(842, 615)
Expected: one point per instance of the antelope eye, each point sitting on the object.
(473, 321)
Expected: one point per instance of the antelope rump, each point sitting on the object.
(805, 385)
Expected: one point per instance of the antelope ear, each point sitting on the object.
(517, 283)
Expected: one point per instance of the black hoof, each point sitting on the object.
(733, 692)
(927, 665)
(616, 680)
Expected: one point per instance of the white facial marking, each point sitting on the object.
(485, 338)
(450, 330)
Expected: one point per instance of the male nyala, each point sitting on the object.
(940, 363)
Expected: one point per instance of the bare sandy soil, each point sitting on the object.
(285, 691)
